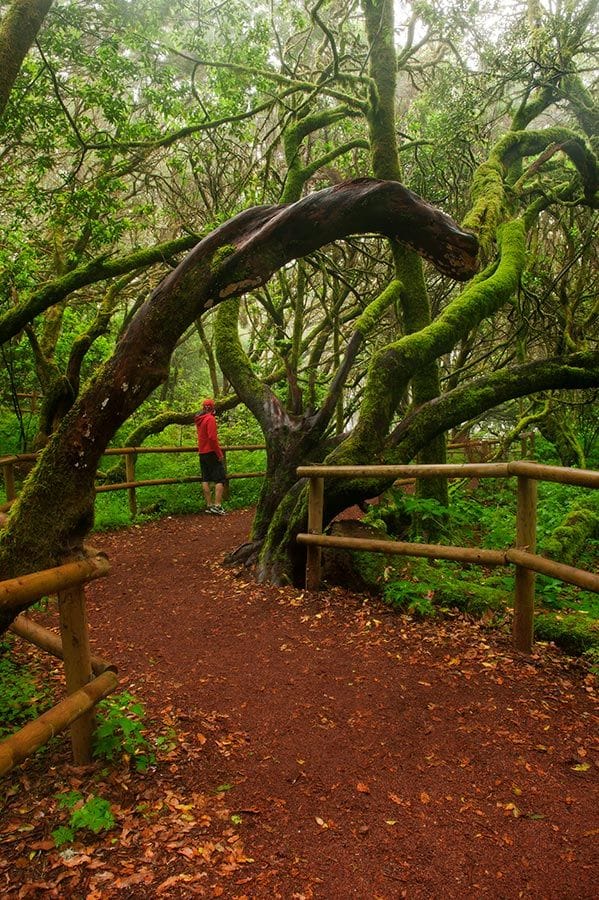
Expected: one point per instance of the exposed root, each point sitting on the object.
(244, 555)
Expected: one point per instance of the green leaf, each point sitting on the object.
(63, 835)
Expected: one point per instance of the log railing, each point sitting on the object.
(129, 454)
(88, 678)
(522, 556)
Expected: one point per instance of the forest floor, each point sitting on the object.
(316, 745)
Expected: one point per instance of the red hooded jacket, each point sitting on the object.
(207, 434)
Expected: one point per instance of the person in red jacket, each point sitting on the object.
(211, 457)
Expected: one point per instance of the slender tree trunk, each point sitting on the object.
(18, 31)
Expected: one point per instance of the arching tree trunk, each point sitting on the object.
(240, 254)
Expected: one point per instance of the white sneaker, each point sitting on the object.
(216, 510)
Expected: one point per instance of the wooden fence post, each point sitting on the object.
(130, 476)
(9, 480)
(526, 539)
(226, 489)
(77, 665)
(315, 510)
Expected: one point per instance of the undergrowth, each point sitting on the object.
(24, 694)
(565, 614)
(94, 814)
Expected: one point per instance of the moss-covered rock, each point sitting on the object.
(574, 633)
(570, 538)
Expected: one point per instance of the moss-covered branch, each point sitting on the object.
(100, 269)
(238, 369)
(491, 195)
(582, 104)
(578, 370)
(294, 135)
(391, 369)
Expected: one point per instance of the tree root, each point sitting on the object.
(244, 555)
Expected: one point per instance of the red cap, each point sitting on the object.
(208, 403)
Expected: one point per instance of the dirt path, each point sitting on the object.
(357, 754)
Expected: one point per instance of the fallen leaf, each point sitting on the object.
(42, 845)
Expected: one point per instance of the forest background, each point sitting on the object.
(133, 132)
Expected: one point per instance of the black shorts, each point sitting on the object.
(212, 468)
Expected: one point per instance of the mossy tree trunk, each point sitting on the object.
(18, 30)
(425, 385)
(283, 559)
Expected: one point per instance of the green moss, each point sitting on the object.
(573, 633)
(392, 368)
(569, 540)
(221, 255)
(230, 354)
(489, 203)
(373, 312)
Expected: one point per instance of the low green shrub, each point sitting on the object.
(93, 814)
(120, 733)
(574, 633)
(448, 586)
(22, 696)
(591, 656)
(410, 597)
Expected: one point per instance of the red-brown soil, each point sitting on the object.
(326, 747)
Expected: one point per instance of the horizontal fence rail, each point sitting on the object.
(8, 463)
(131, 484)
(88, 678)
(527, 563)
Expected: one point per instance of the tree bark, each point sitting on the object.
(18, 31)
(379, 16)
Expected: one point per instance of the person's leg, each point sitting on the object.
(206, 490)
(218, 493)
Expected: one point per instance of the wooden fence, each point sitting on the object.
(471, 449)
(88, 678)
(522, 555)
(129, 454)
